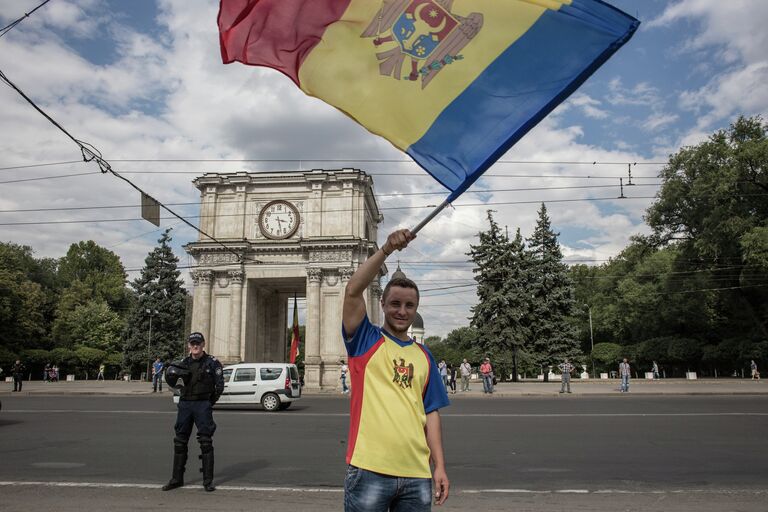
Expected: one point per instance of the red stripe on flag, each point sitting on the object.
(275, 33)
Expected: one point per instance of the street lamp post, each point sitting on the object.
(591, 341)
(150, 312)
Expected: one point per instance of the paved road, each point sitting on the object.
(689, 451)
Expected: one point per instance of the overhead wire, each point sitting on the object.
(90, 153)
(11, 25)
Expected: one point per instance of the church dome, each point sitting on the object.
(398, 274)
(418, 322)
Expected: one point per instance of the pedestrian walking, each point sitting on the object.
(203, 383)
(565, 368)
(486, 371)
(755, 372)
(624, 373)
(344, 372)
(18, 375)
(100, 376)
(157, 375)
(46, 372)
(465, 369)
(655, 369)
(395, 448)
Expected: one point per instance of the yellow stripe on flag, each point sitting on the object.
(343, 69)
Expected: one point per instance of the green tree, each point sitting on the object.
(23, 302)
(553, 336)
(502, 314)
(159, 288)
(99, 270)
(712, 206)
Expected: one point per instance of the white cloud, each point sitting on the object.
(731, 45)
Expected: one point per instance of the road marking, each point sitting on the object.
(251, 488)
(444, 415)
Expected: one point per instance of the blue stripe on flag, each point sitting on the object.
(522, 86)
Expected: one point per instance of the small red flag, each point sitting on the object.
(295, 340)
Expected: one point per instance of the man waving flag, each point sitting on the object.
(453, 83)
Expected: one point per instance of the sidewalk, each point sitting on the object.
(725, 386)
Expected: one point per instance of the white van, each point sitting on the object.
(274, 385)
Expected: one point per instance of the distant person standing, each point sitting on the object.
(100, 376)
(624, 373)
(655, 370)
(157, 375)
(486, 370)
(452, 378)
(18, 375)
(466, 371)
(344, 372)
(753, 367)
(565, 368)
(443, 373)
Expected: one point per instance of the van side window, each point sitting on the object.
(227, 374)
(271, 373)
(245, 374)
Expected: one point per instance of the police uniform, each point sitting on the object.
(203, 385)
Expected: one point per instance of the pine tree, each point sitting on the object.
(502, 314)
(160, 296)
(552, 298)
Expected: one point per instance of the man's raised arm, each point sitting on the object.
(354, 304)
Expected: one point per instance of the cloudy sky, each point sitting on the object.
(142, 81)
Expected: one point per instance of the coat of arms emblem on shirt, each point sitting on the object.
(403, 374)
(425, 31)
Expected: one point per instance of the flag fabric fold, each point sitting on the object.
(295, 340)
(453, 83)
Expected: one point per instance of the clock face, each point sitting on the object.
(278, 220)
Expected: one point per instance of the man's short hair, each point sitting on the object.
(402, 282)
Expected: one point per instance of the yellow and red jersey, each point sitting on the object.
(395, 384)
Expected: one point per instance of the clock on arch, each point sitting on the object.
(279, 220)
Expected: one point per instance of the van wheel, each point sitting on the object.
(270, 402)
(285, 405)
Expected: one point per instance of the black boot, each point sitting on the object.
(179, 462)
(207, 458)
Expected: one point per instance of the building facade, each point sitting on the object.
(282, 234)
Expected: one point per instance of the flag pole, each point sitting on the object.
(430, 217)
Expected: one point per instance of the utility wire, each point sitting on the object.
(481, 191)
(90, 153)
(10, 26)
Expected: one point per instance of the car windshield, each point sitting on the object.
(227, 374)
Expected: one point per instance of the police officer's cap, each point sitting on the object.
(195, 338)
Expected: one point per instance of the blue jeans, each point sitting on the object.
(156, 381)
(625, 383)
(366, 491)
(487, 383)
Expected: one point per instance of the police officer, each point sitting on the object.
(203, 384)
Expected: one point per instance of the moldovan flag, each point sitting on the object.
(295, 340)
(453, 83)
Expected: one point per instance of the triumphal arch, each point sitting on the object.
(281, 234)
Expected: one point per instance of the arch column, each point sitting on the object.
(374, 305)
(201, 313)
(312, 362)
(235, 349)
